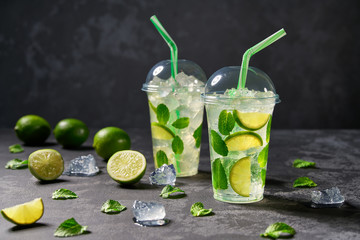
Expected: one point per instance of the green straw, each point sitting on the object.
(170, 42)
(251, 51)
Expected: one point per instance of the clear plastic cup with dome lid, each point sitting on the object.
(239, 113)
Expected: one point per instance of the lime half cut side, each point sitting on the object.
(244, 140)
(46, 164)
(126, 167)
(160, 131)
(26, 213)
(251, 120)
(240, 177)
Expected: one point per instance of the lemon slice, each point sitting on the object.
(126, 167)
(251, 120)
(241, 141)
(162, 132)
(46, 164)
(240, 177)
(24, 214)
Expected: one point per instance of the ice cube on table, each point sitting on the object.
(149, 213)
(83, 166)
(164, 175)
(327, 198)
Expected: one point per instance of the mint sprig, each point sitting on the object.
(263, 156)
(63, 193)
(226, 122)
(263, 176)
(161, 158)
(70, 227)
(218, 175)
(169, 192)
(16, 148)
(16, 164)
(152, 107)
(304, 182)
(162, 114)
(299, 163)
(268, 128)
(198, 210)
(112, 206)
(177, 145)
(218, 144)
(278, 230)
(181, 123)
(197, 136)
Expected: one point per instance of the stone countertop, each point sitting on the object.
(336, 153)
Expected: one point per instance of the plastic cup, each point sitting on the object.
(239, 122)
(176, 115)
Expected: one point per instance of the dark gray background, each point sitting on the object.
(89, 59)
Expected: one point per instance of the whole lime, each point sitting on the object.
(71, 132)
(32, 129)
(109, 140)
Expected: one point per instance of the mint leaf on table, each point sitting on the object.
(16, 164)
(218, 144)
(63, 193)
(278, 230)
(16, 148)
(226, 122)
(197, 136)
(168, 192)
(112, 206)
(177, 145)
(152, 107)
(218, 175)
(69, 228)
(162, 113)
(181, 123)
(304, 182)
(197, 210)
(161, 158)
(263, 156)
(299, 163)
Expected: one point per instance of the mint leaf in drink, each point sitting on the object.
(218, 175)
(263, 176)
(218, 144)
(161, 158)
(197, 136)
(181, 123)
(304, 182)
(16, 148)
(70, 228)
(263, 156)
(152, 107)
(63, 193)
(177, 145)
(299, 163)
(197, 210)
(268, 128)
(112, 206)
(226, 122)
(169, 192)
(162, 113)
(16, 164)
(278, 230)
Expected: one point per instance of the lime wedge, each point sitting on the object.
(240, 177)
(251, 120)
(24, 214)
(126, 167)
(241, 141)
(46, 164)
(160, 131)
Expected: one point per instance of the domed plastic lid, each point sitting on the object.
(190, 77)
(223, 84)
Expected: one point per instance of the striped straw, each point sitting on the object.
(170, 42)
(251, 51)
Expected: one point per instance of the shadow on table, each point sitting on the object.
(24, 227)
(140, 185)
(51, 182)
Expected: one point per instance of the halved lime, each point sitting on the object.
(240, 177)
(126, 167)
(241, 141)
(251, 120)
(160, 131)
(46, 164)
(26, 213)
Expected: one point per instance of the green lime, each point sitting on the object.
(241, 141)
(32, 129)
(160, 131)
(251, 120)
(109, 140)
(240, 177)
(126, 167)
(46, 164)
(71, 133)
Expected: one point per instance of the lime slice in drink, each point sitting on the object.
(251, 120)
(240, 177)
(24, 214)
(241, 141)
(126, 167)
(46, 164)
(160, 131)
